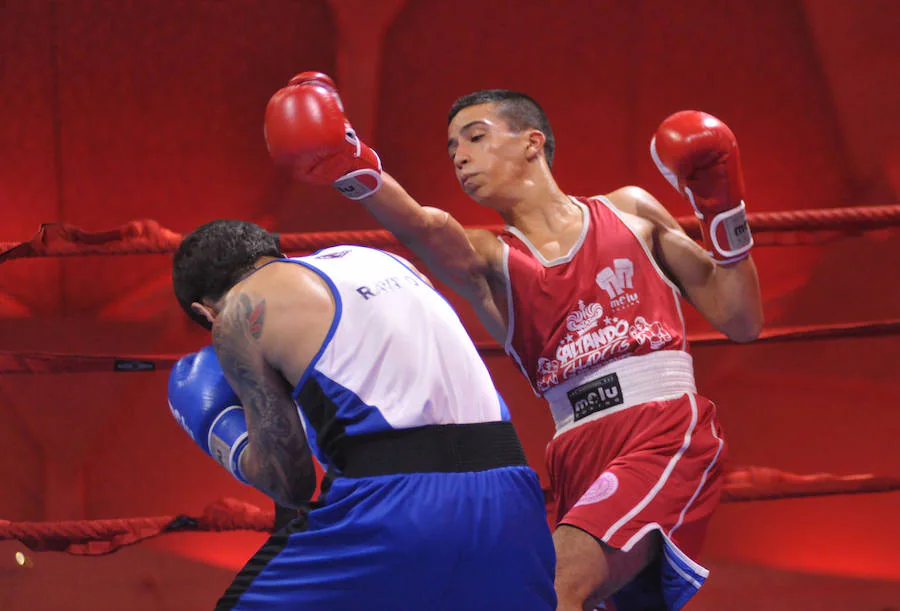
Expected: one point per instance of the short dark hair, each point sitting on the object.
(519, 110)
(213, 257)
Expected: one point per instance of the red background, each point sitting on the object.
(114, 111)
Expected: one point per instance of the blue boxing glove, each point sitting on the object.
(208, 409)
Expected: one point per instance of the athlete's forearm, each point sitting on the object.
(397, 211)
(727, 295)
(739, 301)
(432, 234)
(290, 485)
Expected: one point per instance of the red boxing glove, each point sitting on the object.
(305, 128)
(699, 156)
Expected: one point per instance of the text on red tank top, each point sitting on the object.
(605, 301)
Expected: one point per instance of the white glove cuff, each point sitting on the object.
(734, 231)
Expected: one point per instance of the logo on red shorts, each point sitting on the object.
(595, 396)
(603, 487)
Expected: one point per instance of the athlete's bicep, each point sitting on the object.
(702, 282)
(436, 238)
(682, 260)
(455, 255)
(489, 297)
(687, 264)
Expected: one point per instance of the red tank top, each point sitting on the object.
(605, 300)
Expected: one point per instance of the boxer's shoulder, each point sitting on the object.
(631, 199)
(271, 299)
(285, 283)
(640, 207)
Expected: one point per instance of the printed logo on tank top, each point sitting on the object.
(387, 285)
(617, 282)
(333, 255)
(598, 337)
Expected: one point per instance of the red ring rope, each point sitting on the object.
(101, 537)
(148, 237)
(47, 362)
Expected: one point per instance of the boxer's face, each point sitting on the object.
(490, 159)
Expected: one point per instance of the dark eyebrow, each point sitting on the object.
(452, 141)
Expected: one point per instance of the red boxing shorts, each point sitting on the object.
(652, 466)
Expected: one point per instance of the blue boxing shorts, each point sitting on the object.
(463, 540)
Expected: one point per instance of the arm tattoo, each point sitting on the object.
(256, 318)
(279, 460)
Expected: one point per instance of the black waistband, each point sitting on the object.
(439, 448)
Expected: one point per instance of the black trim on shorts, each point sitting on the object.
(268, 552)
(448, 448)
(437, 448)
(273, 545)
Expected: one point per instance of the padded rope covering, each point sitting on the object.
(46, 362)
(102, 537)
(147, 236)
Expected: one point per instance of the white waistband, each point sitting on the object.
(619, 385)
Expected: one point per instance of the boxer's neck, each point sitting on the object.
(543, 211)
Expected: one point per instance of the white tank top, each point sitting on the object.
(396, 356)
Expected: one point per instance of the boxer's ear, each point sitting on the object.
(535, 146)
(206, 311)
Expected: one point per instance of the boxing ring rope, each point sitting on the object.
(49, 362)
(100, 537)
(142, 237)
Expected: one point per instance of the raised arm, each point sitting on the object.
(307, 131)
(458, 257)
(277, 459)
(727, 295)
(698, 154)
(467, 260)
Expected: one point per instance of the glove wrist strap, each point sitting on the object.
(227, 439)
(358, 184)
(728, 233)
(234, 459)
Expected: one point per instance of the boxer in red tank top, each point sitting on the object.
(585, 294)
